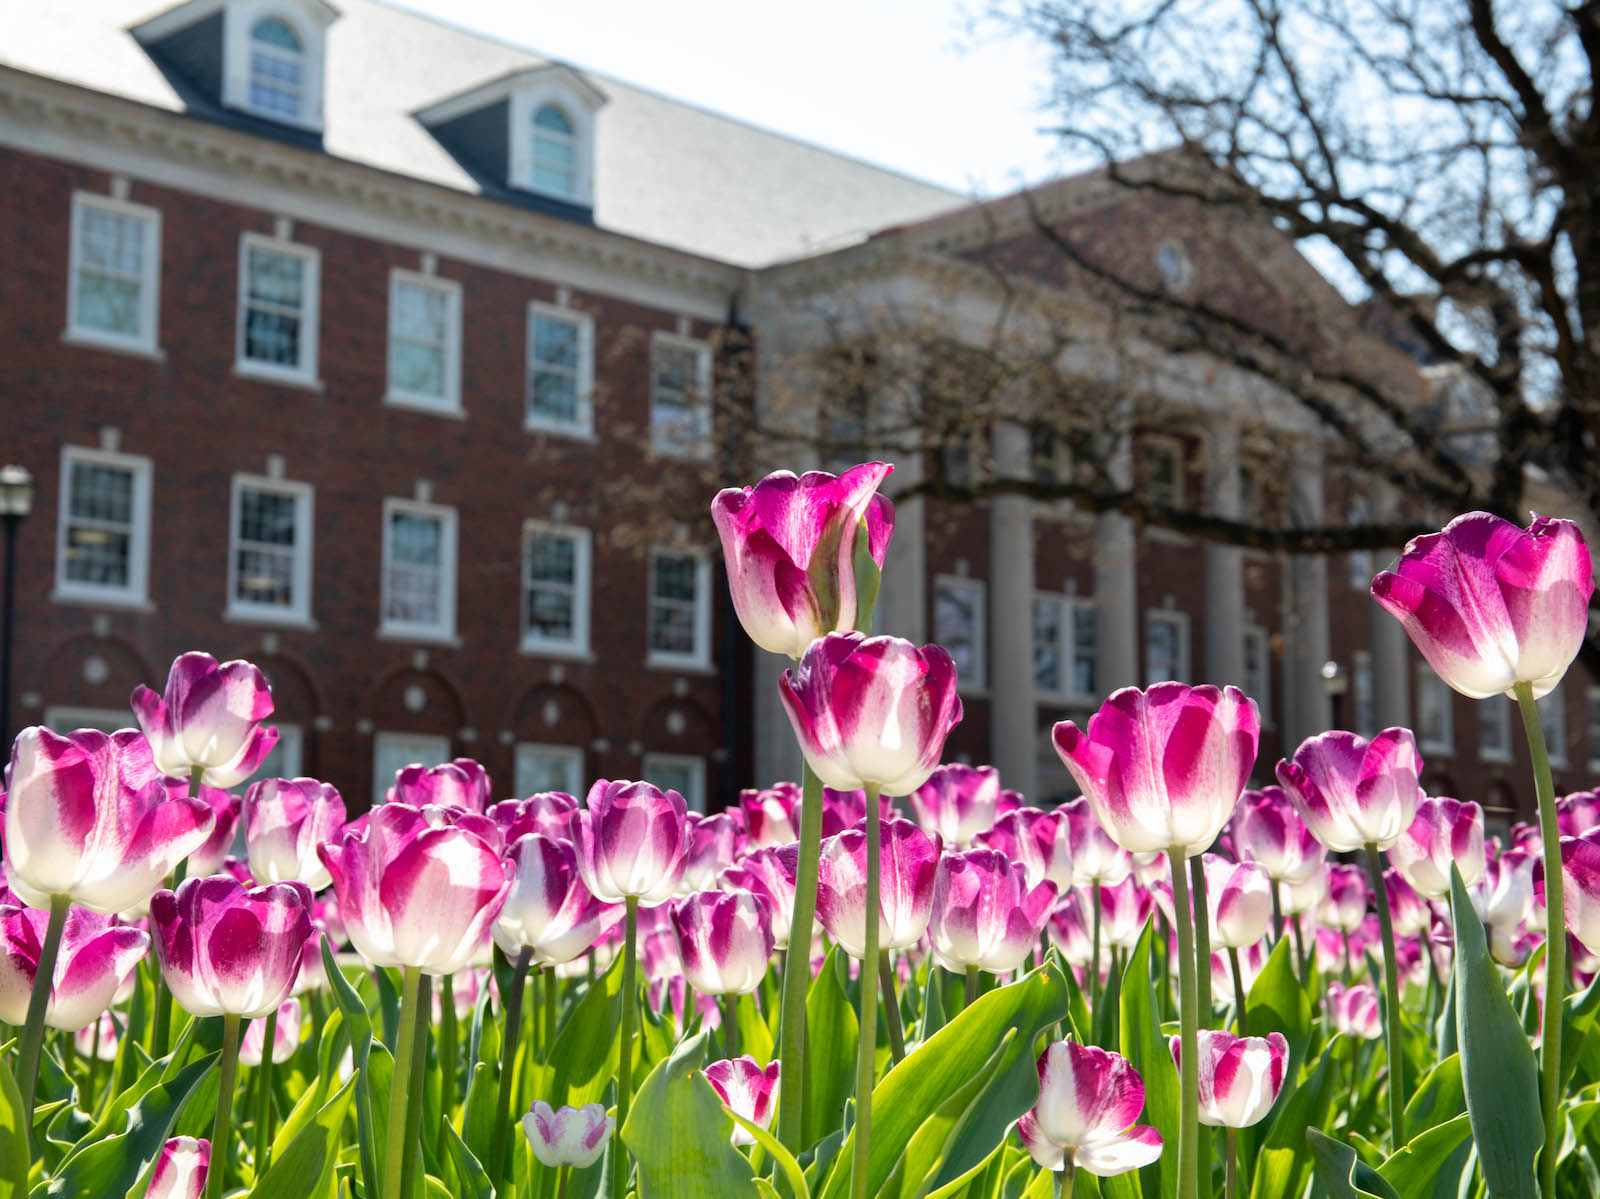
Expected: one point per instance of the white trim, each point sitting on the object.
(65, 718)
(1067, 609)
(448, 403)
(582, 589)
(1157, 443)
(445, 628)
(700, 410)
(652, 763)
(239, 19)
(700, 657)
(423, 749)
(148, 339)
(1428, 681)
(305, 372)
(1181, 621)
(1502, 705)
(136, 590)
(569, 758)
(582, 424)
(1262, 694)
(298, 612)
(976, 679)
(579, 107)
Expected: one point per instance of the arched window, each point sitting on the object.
(277, 69)
(555, 155)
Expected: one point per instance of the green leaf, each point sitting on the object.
(358, 1024)
(1429, 1166)
(868, 579)
(1439, 1097)
(478, 1113)
(930, 1145)
(755, 1038)
(681, 1136)
(1278, 1003)
(1342, 1174)
(1498, 1070)
(587, 1049)
(1283, 1162)
(1143, 1042)
(305, 1168)
(114, 1165)
(13, 1139)
(785, 1159)
(472, 1176)
(832, 1026)
(932, 1003)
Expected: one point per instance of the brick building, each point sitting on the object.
(333, 335)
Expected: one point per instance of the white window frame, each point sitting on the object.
(445, 629)
(1427, 681)
(304, 522)
(1262, 694)
(1067, 609)
(1555, 731)
(1501, 706)
(1157, 444)
(569, 756)
(305, 372)
(438, 751)
(67, 718)
(148, 339)
(579, 111)
(450, 401)
(978, 678)
(700, 659)
(582, 589)
(136, 592)
(703, 379)
(696, 766)
(1185, 646)
(240, 19)
(582, 424)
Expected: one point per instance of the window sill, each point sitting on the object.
(425, 407)
(528, 650)
(1447, 751)
(569, 432)
(418, 637)
(270, 619)
(1501, 759)
(702, 454)
(89, 341)
(122, 603)
(266, 374)
(679, 666)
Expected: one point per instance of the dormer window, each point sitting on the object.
(554, 152)
(277, 69)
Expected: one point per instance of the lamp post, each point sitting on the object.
(16, 501)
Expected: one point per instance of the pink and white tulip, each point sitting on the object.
(285, 1038)
(1252, 961)
(547, 908)
(1096, 858)
(1503, 897)
(984, 912)
(910, 860)
(1267, 829)
(226, 809)
(1445, 832)
(462, 783)
(1354, 1011)
(1041, 841)
(225, 950)
(1240, 1077)
(98, 1040)
(771, 815)
(1410, 913)
(553, 813)
(181, 1169)
(1580, 869)
(1576, 814)
(714, 842)
(285, 820)
(957, 802)
(1352, 792)
(572, 1136)
(208, 719)
(1238, 901)
(748, 1090)
(96, 958)
(725, 941)
(1088, 1101)
(768, 874)
(1124, 909)
(1345, 905)
(632, 841)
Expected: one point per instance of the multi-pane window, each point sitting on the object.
(680, 396)
(269, 562)
(548, 768)
(1553, 715)
(560, 370)
(555, 153)
(678, 772)
(277, 308)
(277, 70)
(116, 268)
(555, 608)
(393, 752)
(419, 569)
(1366, 720)
(1435, 712)
(1258, 669)
(424, 341)
(1494, 728)
(1166, 647)
(103, 539)
(1063, 646)
(680, 612)
(1164, 473)
(961, 626)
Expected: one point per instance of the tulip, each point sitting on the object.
(768, 874)
(1576, 814)
(1240, 1077)
(228, 951)
(1353, 1011)
(1445, 832)
(1345, 906)
(1411, 915)
(285, 820)
(226, 810)
(1503, 897)
(713, 843)
(1040, 841)
(632, 842)
(96, 957)
(1580, 863)
(725, 941)
(285, 1039)
(1239, 901)
(791, 547)
(1088, 1101)
(99, 1039)
(547, 908)
(462, 783)
(1125, 908)
(957, 802)
(1096, 858)
(985, 916)
(208, 720)
(574, 1137)
(747, 1090)
(1267, 829)
(1069, 930)
(770, 813)
(553, 813)
(181, 1169)
(1352, 792)
(843, 810)
(1252, 961)
(910, 863)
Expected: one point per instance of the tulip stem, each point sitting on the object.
(508, 1062)
(1299, 950)
(1231, 1166)
(1188, 1012)
(400, 1083)
(447, 1049)
(161, 1030)
(971, 992)
(220, 1149)
(550, 985)
(891, 1009)
(797, 966)
(730, 1024)
(630, 1000)
(1201, 913)
(38, 1002)
(1391, 982)
(867, 1059)
(1064, 1179)
(1555, 953)
(1239, 993)
(264, 1096)
(419, 1062)
(1277, 912)
(1094, 953)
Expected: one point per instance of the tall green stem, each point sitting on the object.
(264, 1096)
(448, 1037)
(400, 1083)
(1555, 954)
(1231, 1166)
(1201, 909)
(1094, 952)
(1188, 1012)
(630, 1001)
(419, 1079)
(1277, 912)
(970, 993)
(221, 1151)
(891, 1008)
(161, 1033)
(1239, 993)
(551, 982)
(508, 1063)
(867, 1059)
(730, 1024)
(1064, 1179)
(797, 967)
(1391, 982)
(38, 1002)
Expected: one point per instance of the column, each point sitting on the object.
(1013, 714)
(903, 598)
(1224, 566)
(1116, 583)
(1388, 642)
(1306, 613)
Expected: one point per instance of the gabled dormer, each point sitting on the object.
(527, 136)
(262, 62)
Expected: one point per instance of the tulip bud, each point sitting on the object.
(181, 1169)
(1088, 1101)
(725, 941)
(771, 814)
(984, 914)
(208, 719)
(909, 861)
(1351, 791)
(96, 957)
(547, 908)
(632, 841)
(1240, 1077)
(285, 1037)
(1445, 832)
(284, 822)
(1345, 906)
(573, 1136)
(462, 783)
(225, 950)
(768, 874)
(957, 802)
(1040, 841)
(1354, 1011)
(1267, 829)
(1096, 858)
(749, 1090)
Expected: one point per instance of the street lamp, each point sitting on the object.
(16, 501)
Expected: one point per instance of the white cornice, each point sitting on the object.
(109, 133)
(497, 90)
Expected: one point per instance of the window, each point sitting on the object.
(392, 752)
(1592, 731)
(269, 553)
(283, 761)
(555, 159)
(1435, 725)
(680, 396)
(956, 458)
(106, 720)
(1494, 729)
(677, 772)
(424, 342)
(680, 608)
(1166, 647)
(1366, 714)
(548, 768)
(114, 281)
(560, 371)
(277, 70)
(1553, 715)
(1063, 646)
(419, 570)
(103, 531)
(1258, 669)
(960, 625)
(278, 284)
(1164, 470)
(555, 589)
(1360, 561)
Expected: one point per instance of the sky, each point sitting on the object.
(927, 87)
